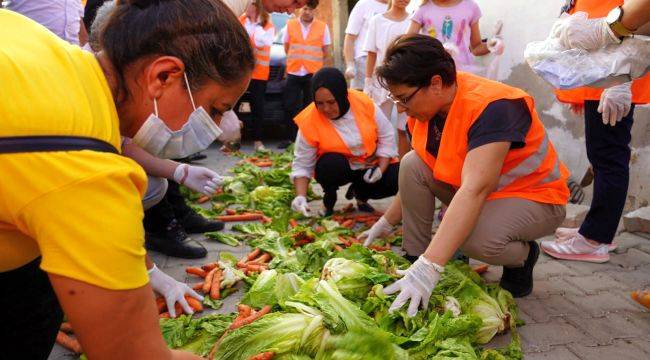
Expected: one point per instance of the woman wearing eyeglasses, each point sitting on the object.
(343, 137)
(479, 147)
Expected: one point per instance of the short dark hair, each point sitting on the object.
(312, 4)
(204, 34)
(413, 60)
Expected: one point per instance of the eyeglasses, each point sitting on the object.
(403, 102)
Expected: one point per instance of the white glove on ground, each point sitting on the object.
(372, 175)
(299, 204)
(496, 46)
(173, 291)
(198, 178)
(350, 71)
(379, 229)
(615, 103)
(582, 33)
(230, 127)
(416, 285)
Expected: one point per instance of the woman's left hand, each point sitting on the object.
(173, 291)
(373, 175)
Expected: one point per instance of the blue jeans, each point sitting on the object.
(608, 152)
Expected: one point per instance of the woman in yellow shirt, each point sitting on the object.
(71, 236)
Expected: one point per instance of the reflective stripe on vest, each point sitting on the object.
(307, 53)
(533, 172)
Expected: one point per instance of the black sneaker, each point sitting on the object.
(194, 223)
(173, 241)
(350, 193)
(519, 281)
(365, 207)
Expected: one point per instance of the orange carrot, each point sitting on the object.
(240, 217)
(207, 284)
(249, 319)
(209, 266)
(231, 212)
(255, 267)
(69, 343)
(203, 199)
(266, 219)
(161, 304)
(253, 254)
(215, 290)
(263, 356)
(642, 297)
(480, 269)
(244, 310)
(338, 248)
(262, 259)
(268, 163)
(196, 271)
(319, 229)
(66, 327)
(379, 247)
(194, 303)
(293, 223)
(241, 264)
(197, 286)
(165, 315)
(348, 223)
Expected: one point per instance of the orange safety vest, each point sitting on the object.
(305, 52)
(533, 172)
(262, 55)
(319, 132)
(640, 87)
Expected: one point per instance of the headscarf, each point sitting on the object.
(333, 80)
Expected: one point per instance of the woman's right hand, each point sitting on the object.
(379, 229)
(299, 204)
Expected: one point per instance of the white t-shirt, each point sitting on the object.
(359, 20)
(327, 40)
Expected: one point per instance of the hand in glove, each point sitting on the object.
(496, 46)
(350, 71)
(379, 229)
(615, 103)
(582, 33)
(198, 178)
(173, 291)
(416, 285)
(299, 204)
(230, 127)
(372, 175)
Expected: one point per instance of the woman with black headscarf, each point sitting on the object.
(343, 138)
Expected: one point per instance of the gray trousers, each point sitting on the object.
(504, 227)
(156, 189)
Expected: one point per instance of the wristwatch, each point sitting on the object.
(613, 19)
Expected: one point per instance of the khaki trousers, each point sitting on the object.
(504, 225)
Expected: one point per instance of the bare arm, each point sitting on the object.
(113, 324)
(394, 212)
(152, 165)
(636, 13)
(301, 184)
(370, 63)
(83, 34)
(414, 28)
(479, 178)
(348, 48)
(286, 48)
(477, 46)
(327, 55)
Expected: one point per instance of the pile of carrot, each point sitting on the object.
(349, 221)
(269, 355)
(65, 340)
(260, 162)
(246, 315)
(163, 310)
(248, 215)
(302, 238)
(256, 261)
(212, 276)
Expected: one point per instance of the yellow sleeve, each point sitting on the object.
(91, 230)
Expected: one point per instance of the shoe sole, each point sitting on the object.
(574, 257)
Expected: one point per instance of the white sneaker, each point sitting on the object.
(576, 248)
(564, 234)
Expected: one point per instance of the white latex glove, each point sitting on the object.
(230, 127)
(299, 204)
(173, 291)
(615, 103)
(372, 175)
(496, 46)
(583, 33)
(198, 178)
(379, 229)
(350, 71)
(416, 285)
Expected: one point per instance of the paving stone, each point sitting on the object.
(575, 215)
(540, 337)
(588, 268)
(607, 329)
(552, 268)
(643, 344)
(556, 353)
(619, 350)
(554, 286)
(158, 258)
(601, 304)
(595, 283)
(631, 259)
(543, 310)
(640, 319)
(627, 241)
(643, 235)
(638, 278)
(638, 220)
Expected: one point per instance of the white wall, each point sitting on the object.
(525, 21)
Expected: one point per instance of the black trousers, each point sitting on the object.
(171, 207)
(608, 151)
(297, 95)
(257, 90)
(333, 171)
(31, 314)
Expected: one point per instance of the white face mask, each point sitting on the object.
(196, 134)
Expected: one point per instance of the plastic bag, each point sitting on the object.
(572, 68)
